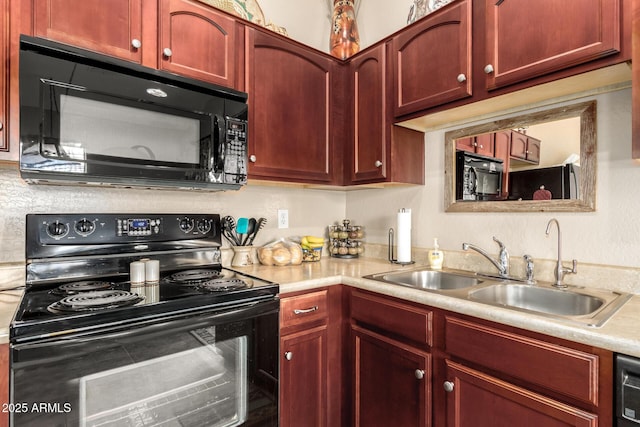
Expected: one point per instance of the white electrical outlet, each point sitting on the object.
(283, 218)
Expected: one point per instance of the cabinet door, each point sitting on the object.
(392, 382)
(303, 378)
(113, 28)
(518, 145)
(290, 91)
(531, 38)
(370, 154)
(475, 399)
(432, 60)
(533, 150)
(198, 42)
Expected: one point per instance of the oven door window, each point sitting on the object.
(188, 373)
(488, 183)
(90, 129)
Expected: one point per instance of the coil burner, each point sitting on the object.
(82, 286)
(95, 300)
(194, 277)
(223, 285)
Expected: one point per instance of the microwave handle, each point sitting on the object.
(220, 143)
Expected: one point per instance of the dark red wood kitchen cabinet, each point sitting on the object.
(291, 91)
(480, 144)
(392, 369)
(480, 400)
(311, 385)
(197, 41)
(635, 87)
(181, 36)
(379, 151)
(432, 60)
(113, 28)
(525, 148)
(529, 39)
(4, 75)
(498, 375)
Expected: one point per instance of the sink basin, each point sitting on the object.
(543, 300)
(429, 279)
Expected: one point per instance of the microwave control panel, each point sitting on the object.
(235, 156)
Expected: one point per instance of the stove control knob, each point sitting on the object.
(57, 229)
(85, 227)
(204, 226)
(186, 224)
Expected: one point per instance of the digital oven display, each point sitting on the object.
(139, 224)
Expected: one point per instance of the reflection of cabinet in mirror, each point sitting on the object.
(481, 144)
(525, 148)
(570, 178)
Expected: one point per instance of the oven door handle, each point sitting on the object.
(126, 329)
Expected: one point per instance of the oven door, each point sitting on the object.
(215, 369)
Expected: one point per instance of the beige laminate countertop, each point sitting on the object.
(621, 333)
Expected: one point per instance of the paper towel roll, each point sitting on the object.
(403, 235)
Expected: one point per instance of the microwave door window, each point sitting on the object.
(90, 128)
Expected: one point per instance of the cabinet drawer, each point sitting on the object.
(305, 308)
(564, 370)
(402, 320)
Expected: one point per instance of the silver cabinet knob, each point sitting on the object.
(378, 163)
(167, 52)
(288, 355)
(419, 373)
(1, 125)
(488, 69)
(252, 158)
(448, 386)
(136, 43)
(462, 78)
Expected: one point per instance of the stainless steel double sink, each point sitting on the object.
(587, 306)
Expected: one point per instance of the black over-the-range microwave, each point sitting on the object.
(93, 119)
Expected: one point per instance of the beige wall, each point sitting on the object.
(611, 235)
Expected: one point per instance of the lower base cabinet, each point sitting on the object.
(392, 382)
(476, 399)
(303, 383)
(351, 357)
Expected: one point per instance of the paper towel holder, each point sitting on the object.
(391, 255)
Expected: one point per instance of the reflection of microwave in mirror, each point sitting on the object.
(480, 177)
(553, 148)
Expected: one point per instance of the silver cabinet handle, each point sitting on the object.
(136, 43)
(305, 310)
(167, 52)
(448, 386)
(419, 373)
(378, 163)
(488, 69)
(462, 78)
(288, 355)
(252, 158)
(1, 125)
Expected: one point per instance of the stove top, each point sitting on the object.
(78, 272)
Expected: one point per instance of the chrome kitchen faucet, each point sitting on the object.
(503, 259)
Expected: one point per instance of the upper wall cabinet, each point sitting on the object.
(379, 152)
(529, 39)
(291, 89)
(198, 42)
(113, 29)
(432, 60)
(181, 36)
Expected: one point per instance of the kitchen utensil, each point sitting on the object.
(241, 229)
(228, 230)
(251, 227)
(261, 223)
